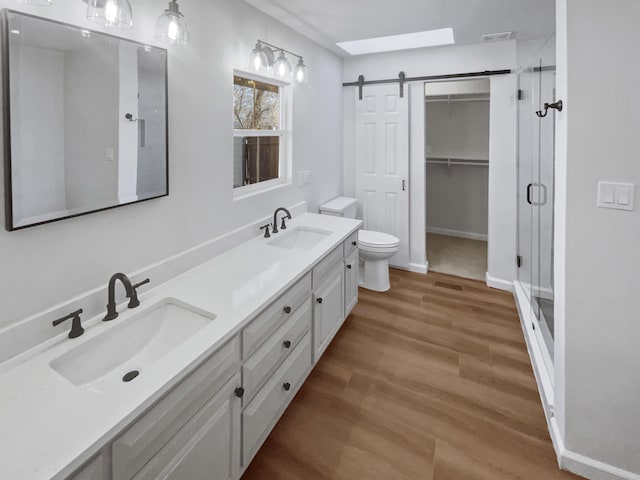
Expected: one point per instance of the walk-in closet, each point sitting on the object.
(457, 176)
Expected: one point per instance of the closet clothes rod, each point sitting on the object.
(402, 79)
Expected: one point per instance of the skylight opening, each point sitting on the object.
(430, 38)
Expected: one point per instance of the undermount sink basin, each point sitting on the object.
(299, 238)
(135, 344)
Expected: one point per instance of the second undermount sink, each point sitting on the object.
(299, 238)
(133, 345)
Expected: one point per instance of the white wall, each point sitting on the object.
(597, 250)
(44, 265)
(439, 61)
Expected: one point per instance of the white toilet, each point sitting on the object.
(375, 248)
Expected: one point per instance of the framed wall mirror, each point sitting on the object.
(84, 120)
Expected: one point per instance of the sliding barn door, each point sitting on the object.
(382, 163)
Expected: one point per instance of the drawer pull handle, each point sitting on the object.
(354, 243)
(286, 386)
(349, 267)
(239, 392)
(319, 299)
(287, 344)
(287, 309)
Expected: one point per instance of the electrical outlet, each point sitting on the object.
(108, 154)
(307, 176)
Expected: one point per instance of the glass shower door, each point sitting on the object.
(536, 85)
(542, 195)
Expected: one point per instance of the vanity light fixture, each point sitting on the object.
(263, 60)
(171, 26)
(110, 13)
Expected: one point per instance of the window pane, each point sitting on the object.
(259, 159)
(256, 105)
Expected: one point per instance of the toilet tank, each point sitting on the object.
(340, 207)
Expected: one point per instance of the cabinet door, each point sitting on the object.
(94, 470)
(207, 447)
(328, 311)
(350, 283)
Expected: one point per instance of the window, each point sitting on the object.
(259, 133)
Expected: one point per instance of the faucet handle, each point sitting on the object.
(133, 301)
(284, 225)
(76, 325)
(266, 230)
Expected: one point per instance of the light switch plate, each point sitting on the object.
(619, 196)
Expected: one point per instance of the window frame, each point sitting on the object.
(284, 133)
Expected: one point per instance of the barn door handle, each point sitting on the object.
(403, 189)
(529, 193)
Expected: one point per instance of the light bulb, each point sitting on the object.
(110, 12)
(172, 31)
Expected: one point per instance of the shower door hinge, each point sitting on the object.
(520, 94)
(519, 260)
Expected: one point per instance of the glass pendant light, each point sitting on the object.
(258, 59)
(302, 72)
(111, 13)
(282, 67)
(171, 26)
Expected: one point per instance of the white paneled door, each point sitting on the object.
(382, 163)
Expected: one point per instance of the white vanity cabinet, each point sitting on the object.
(211, 425)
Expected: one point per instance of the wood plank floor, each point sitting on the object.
(429, 381)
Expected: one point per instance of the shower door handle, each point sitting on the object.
(544, 194)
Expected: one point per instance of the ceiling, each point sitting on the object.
(331, 21)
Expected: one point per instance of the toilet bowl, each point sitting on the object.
(375, 248)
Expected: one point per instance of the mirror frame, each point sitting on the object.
(6, 119)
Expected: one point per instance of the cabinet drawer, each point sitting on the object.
(206, 447)
(147, 435)
(267, 358)
(259, 416)
(275, 315)
(322, 269)
(350, 244)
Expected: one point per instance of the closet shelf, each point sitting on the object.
(457, 160)
(457, 98)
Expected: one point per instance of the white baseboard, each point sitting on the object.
(582, 465)
(419, 267)
(457, 233)
(593, 469)
(498, 283)
(35, 330)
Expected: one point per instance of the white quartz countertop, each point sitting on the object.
(49, 426)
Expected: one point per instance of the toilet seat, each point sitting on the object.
(377, 241)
